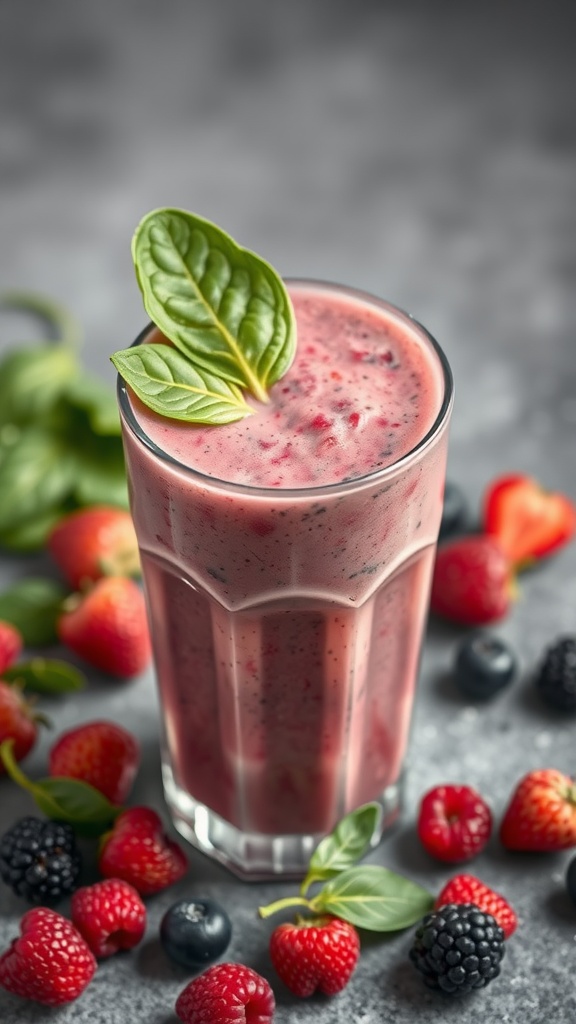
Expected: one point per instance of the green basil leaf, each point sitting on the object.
(97, 401)
(36, 474)
(374, 898)
(349, 841)
(223, 306)
(172, 386)
(74, 801)
(31, 534)
(31, 379)
(46, 675)
(33, 606)
(100, 471)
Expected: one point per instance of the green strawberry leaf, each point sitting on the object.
(171, 385)
(64, 799)
(46, 675)
(349, 841)
(31, 379)
(36, 474)
(223, 306)
(373, 898)
(33, 606)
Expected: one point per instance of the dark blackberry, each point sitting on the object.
(458, 948)
(39, 860)
(556, 679)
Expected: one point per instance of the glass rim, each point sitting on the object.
(356, 483)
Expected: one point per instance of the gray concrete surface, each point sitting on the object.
(423, 151)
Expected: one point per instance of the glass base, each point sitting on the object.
(253, 856)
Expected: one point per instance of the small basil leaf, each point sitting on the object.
(374, 898)
(46, 676)
(223, 306)
(36, 474)
(172, 386)
(31, 379)
(33, 606)
(349, 841)
(74, 801)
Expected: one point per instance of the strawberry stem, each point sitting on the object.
(288, 901)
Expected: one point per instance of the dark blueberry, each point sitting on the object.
(571, 880)
(449, 964)
(556, 678)
(454, 511)
(39, 860)
(195, 932)
(484, 665)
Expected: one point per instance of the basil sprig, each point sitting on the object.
(225, 310)
(368, 896)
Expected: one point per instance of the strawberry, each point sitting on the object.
(17, 721)
(10, 645)
(468, 889)
(226, 994)
(319, 953)
(528, 521)
(108, 627)
(454, 823)
(109, 915)
(138, 851)
(50, 962)
(102, 753)
(541, 814)
(472, 581)
(94, 542)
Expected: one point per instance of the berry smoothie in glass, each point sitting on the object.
(287, 561)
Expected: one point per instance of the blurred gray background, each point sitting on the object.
(424, 150)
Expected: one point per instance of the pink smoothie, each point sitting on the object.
(287, 562)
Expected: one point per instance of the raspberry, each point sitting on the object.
(226, 994)
(468, 889)
(50, 962)
(317, 954)
(556, 680)
(138, 851)
(458, 948)
(454, 823)
(39, 860)
(109, 915)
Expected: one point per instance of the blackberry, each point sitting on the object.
(556, 680)
(39, 860)
(458, 948)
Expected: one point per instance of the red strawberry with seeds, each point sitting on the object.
(454, 823)
(541, 814)
(108, 627)
(138, 851)
(50, 962)
(94, 542)
(528, 521)
(18, 721)
(316, 954)
(102, 753)
(472, 581)
(10, 645)
(226, 994)
(469, 889)
(109, 915)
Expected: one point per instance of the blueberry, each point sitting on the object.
(195, 932)
(485, 664)
(571, 880)
(454, 511)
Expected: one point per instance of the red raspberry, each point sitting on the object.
(10, 645)
(17, 722)
(320, 953)
(468, 889)
(138, 851)
(473, 581)
(454, 823)
(109, 915)
(103, 754)
(226, 994)
(50, 962)
(94, 542)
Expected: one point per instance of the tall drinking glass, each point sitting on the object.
(287, 563)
